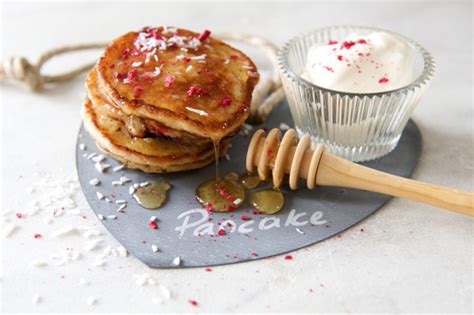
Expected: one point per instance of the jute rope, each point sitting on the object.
(266, 96)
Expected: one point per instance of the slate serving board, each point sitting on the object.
(190, 232)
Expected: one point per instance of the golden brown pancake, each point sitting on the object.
(183, 80)
(137, 127)
(155, 154)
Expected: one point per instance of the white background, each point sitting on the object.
(410, 257)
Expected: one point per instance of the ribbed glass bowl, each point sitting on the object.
(358, 127)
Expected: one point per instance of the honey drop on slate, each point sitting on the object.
(221, 195)
(152, 196)
(269, 201)
(250, 181)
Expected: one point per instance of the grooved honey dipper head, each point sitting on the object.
(284, 156)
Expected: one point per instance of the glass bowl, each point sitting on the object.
(355, 126)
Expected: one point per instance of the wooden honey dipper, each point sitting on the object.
(319, 167)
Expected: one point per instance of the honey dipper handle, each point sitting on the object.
(335, 171)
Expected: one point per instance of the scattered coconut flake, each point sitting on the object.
(99, 262)
(299, 231)
(82, 146)
(153, 218)
(197, 111)
(124, 179)
(91, 300)
(94, 182)
(39, 263)
(9, 230)
(98, 158)
(227, 157)
(92, 245)
(118, 168)
(91, 155)
(100, 196)
(36, 299)
(136, 64)
(120, 201)
(200, 57)
(101, 217)
(112, 217)
(65, 231)
(166, 292)
(237, 201)
(177, 261)
(189, 68)
(141, 280)
(144, 184)
(131, 190)
(33, 210)
(154, 248)
(92, 233)
(107, 250)
(101, 167)
(122, 251)
(284, 126)
(75, 212)
(83, 281)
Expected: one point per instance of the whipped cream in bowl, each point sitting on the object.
(354, 88)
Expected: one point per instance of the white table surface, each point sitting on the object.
(410, 258)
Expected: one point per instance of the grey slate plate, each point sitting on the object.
(308, 217)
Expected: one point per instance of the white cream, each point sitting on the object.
(361, 64)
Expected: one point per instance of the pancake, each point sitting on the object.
(153, 154)
(183, 80)
(137, 127)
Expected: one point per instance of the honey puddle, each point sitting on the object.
(227, 193)
(153, 195)
(269, 201)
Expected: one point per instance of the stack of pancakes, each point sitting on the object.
(162, 99)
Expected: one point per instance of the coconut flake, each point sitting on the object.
(122, 251)
(197, 111)
(64, 231)
(9, 230)
(124, 179)
(101, 167)
(94, 182)
(284, 126)
(100, 196)
(92, 245)
(83, 281)
(144, 184)
(39, 263)
(166, 292)
(82, 146)
(99, 158)
(91, 300)
(112, 217)
(299, 231)
(154, 248)
(177, 261)
(101, 217)
(118, 168)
